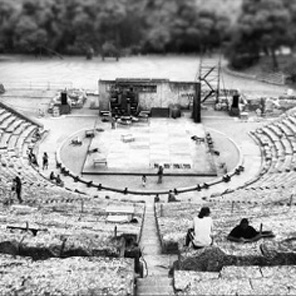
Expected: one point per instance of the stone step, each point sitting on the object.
(158, 272)
(150, 241)
(152, 250)
(155, 293)
(149, 215)
(149, 226)
(155, 285)
(159, 262)
(147, 242)
(149, 232)
(154, 281)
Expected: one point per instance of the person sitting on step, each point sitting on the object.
(200, 235)
(244, 233)
(172, 197)
(59, 181)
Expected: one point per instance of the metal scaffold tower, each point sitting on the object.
(209, 77)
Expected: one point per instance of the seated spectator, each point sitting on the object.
(144, 180)
(245, 233)
(200, 235)
(171, 197)
(76, 141)
(156, 198)
(59, 181)
(52, 176)
(37, 135)
(33, 159)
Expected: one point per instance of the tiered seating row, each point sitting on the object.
(174, 219)
(11, 127)
(58, 223)
(16, 135)
(233, 280)
(278, 142)
(65, 227)
(71, 276)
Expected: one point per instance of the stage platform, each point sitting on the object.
(141, 147)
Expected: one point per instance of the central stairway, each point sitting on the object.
(157, 281)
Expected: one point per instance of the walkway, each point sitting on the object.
(157, 282)
(22, 71)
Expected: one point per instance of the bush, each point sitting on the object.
(243, 61)
(290, 70)
(110, 50)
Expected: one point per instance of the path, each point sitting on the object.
(158, 281)
(19, 71)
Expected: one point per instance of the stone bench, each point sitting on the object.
(100, 161)
(120, 214)
(127, 138)
(144, 116)
(89, 133)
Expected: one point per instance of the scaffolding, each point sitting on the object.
(209, 77)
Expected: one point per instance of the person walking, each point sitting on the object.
(160, 174)
(17, 186)
(144, 180)
(45, 161)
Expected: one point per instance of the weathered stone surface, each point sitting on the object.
(71, 276)
(235, 280)
(235, 272)
(206, 259)
(182, 278)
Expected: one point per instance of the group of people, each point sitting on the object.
(159, 176)
(33, 159)
(200, 235)
(56, 178)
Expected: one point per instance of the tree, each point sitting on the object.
(182, 26)
(75, 26)
(109, 19)
(9, 11)
(291, 30)
(36, 26)
(262, 28)
(28, 35)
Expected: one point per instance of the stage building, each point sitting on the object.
(158, 96)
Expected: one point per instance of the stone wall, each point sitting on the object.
(167, 93)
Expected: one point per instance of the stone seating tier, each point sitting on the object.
(4, 116)
(174, 220)
(14, 125)
(60, 218)
(278, 143)
(8, 122)
(234, 280)
(88, 276)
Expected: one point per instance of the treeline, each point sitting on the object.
(149, 26)
(135, 26)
